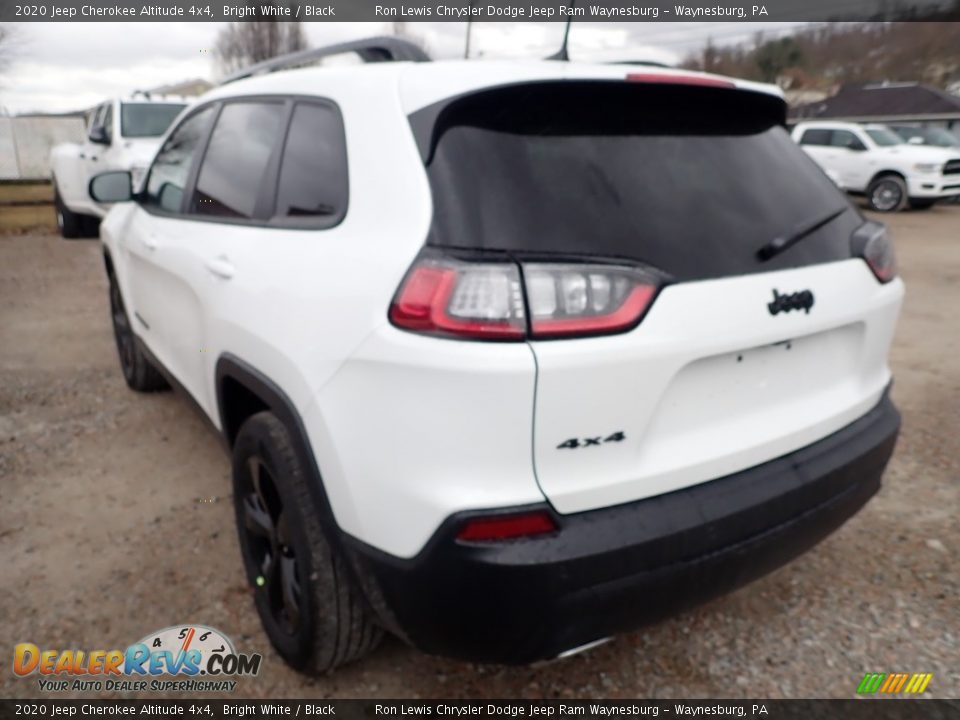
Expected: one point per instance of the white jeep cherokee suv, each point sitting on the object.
(121, 135)
(873, 160)
(510, 356)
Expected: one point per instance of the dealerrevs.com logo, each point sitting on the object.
(198, 657)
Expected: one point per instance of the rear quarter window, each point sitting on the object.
(312, 183)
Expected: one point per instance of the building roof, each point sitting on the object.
(882, 101)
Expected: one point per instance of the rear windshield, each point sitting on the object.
(138, 120)
(691, 180)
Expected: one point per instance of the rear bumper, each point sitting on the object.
(611, 570)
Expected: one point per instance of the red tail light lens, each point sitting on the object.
(506, 527)
(572, 300)
(873, 243)
(471, 300)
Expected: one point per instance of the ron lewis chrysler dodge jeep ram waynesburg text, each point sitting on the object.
(510, 357)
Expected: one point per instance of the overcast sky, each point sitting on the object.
(69, 66)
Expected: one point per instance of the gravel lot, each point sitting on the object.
(106, 535)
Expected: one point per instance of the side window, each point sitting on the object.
(815, 137)
(96, 118)
(312, 186)
(108, 122)
(846, 139)
(234, 166)
(170, 169)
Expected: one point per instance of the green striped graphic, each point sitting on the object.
(871, 683)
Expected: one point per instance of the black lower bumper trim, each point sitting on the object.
(611, 570)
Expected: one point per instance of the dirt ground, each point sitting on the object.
(107, 531)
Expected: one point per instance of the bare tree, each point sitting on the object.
(241, 44)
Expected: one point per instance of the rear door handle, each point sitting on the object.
(150, 242)
(221, 267)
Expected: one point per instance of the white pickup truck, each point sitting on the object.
(873, 160)
(121, 135)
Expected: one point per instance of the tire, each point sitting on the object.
(90, 226)
(309, 605)
(887, 193)
(69, 223)
(923, 204)
(138, 371)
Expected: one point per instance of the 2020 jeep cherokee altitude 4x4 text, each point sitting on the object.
(510, 357)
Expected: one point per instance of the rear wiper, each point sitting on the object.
(781, 243)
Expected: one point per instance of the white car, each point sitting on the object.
(510, 356)
(873, 160)
(121, 135)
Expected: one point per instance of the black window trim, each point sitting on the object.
(265, 207)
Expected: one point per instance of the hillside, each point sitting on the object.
(832, 54)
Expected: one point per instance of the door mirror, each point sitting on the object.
(855, 145)
(916, 140)
(98, 134)
(170, 197)
(112, 187)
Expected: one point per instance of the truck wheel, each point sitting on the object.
(139, 373)
(69, 223)
(887, 193)
(923, 204)
(308, 603)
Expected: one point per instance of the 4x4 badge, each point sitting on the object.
(802, 300)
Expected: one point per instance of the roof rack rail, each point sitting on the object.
(370, 50)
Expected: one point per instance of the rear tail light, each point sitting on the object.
(485, 300)
(469, 300)
(873, 243)
(567, 300)
(506, 527)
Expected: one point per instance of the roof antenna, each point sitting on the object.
(562, 53)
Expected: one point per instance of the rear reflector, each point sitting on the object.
(505, 527)
(680, 80)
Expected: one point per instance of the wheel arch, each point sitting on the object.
(242, 391)
(108, 263)
(882, 173)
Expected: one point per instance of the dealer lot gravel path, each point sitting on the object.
(115, 521)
